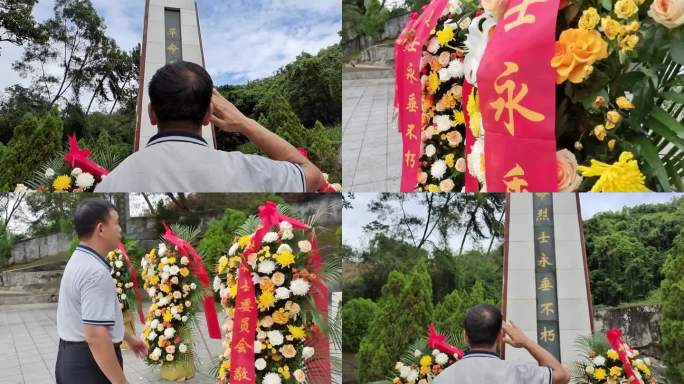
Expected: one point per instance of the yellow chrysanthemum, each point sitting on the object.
(458, 117)
(172, 260)
(167, 316)
(445, 36)
(449, 160)
(433, 188)
(621, 176)
(222, 263)
(62, 183)
(154, 279)
(624, 103)
(600, 374)
(474, 113)
(244, 241)
(266, 300)
(616, 371)
(426, 361)
(625, 8)
(590, 19)
(612, 354)
(284, 259)
(433, 83)
(296, 332)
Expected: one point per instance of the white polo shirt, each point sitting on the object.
(87, 295)
(183, 162)
(477, 367)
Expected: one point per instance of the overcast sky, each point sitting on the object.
(243, 39)
(591, 203)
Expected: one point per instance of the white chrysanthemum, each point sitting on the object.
(438, 169)
(430, 150)
(270, 237)
(123, 296)
(417, 353)
(255, 278)
(267, 267)
(161, 249)
(304, 246)
(85, 180)
(285, 226)
(49, 173)
(441, 358)
(118, 263)
(475, 159)
(233, 249)
(182, 348)
(475, 43)
(157, 352)
(275, 337)
(174, 270)
(308, 352)
(454, 7)
(284, 248)
(169, 332)
(184, 260)
(404, 371)
(443, 75)
(151, 336)
(184, 319)
(443, 122)
(589, 369)
(282, 293)
(412, 376)
(287, 235)
(193, 286)
(260, 364)
(299, 287)
(455, 69)
(435, 352)
(599, 360)
(151, 292)
(398, 365)
(76, 171)
(272, 378)
(257, 346)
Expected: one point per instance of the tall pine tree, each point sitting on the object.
(405, 312)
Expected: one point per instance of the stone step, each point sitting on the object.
(8, 297)
(359, 72)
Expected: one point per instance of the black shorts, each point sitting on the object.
(76, 364)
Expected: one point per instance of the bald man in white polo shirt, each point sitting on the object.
(484, 330)
(178, 159)
(89, 319)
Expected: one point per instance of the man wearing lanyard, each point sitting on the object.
(89, 319)
(484, 330)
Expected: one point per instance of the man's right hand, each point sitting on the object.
(225, 115)
(514, 336)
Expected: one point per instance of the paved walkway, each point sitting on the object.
(28, 336)
(371, 144)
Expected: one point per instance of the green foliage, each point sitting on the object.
(36, 138)
(17, 24)
(276, 114)
(357, 315)
(392, 330)
(5, 246)
(450, 312)
(672, 323)
(633, 242)
(373, 20)
(219, 235)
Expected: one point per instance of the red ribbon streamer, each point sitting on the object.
(320, 294)
(437, 341)
(241, 355)
(186, 249)
(615, 339)
(134, 277)
(78, 158)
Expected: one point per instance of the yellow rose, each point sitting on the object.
(576, 51)
(624, 103)
(624, 9)
(614, 117)
(611, 144)
(600, 132)
(590, 19)
(628, 42)
(610, 27)
(599, 102)
(669, 13)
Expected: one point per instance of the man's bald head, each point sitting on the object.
(181, 92)
(482, 325)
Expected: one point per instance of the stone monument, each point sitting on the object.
(546, 281)
(171, 33)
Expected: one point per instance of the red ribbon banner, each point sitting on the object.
(197, 266)
(408, 98)
(79, 158)
(320, 294)
(615, 339)
(517, 89)
(438, 342)
(245, 318)
(134, 277)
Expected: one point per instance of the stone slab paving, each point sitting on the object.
(371, 144)
(28, 336)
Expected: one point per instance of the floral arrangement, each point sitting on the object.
(603, 364)
(175, 294)
(123, 279)
(286, 317)
(619, 106)
(72, 172)
(425, 360)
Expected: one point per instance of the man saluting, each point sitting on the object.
(89, 319)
